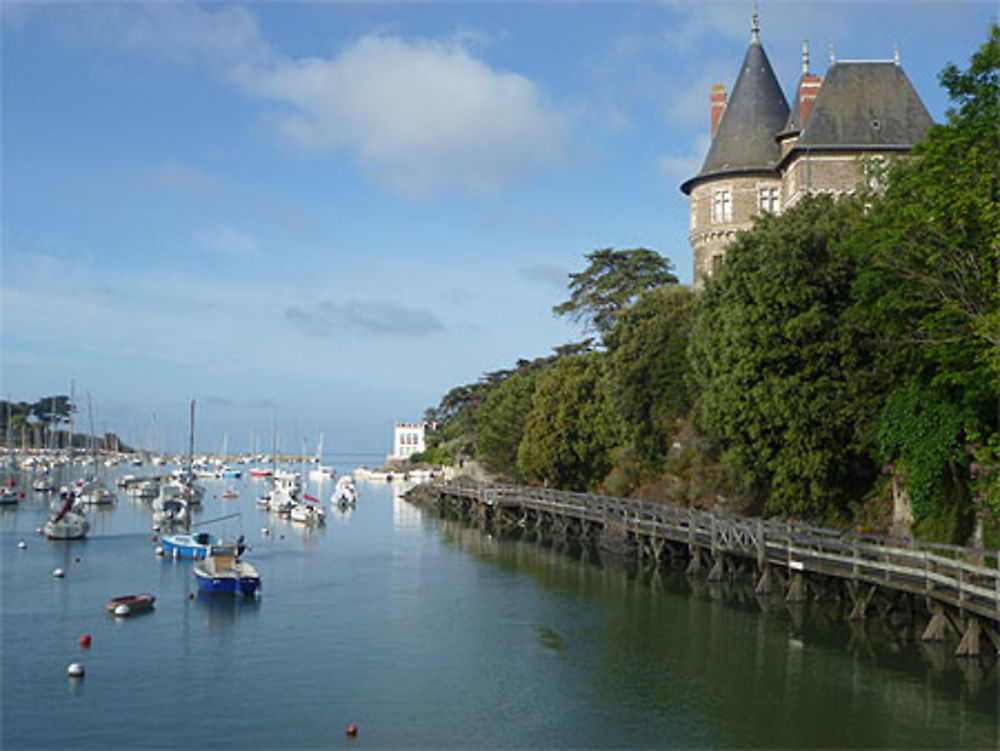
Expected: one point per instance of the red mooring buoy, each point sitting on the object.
(352, 730)
(155, 538)
(85, 641)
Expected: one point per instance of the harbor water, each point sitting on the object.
(428, 633)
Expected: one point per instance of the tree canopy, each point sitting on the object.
(612, 281)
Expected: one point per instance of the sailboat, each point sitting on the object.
(94, 492)
(9, 494)
(68, 522)
(181, 492)
(321, 472)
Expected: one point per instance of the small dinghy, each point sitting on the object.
(131, 604)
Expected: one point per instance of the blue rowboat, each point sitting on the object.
(193, 546)
(221, 572)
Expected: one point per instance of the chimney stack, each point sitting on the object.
(808, 89)
(718, 98)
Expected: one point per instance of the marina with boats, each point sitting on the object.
(313, 575)
(385, 590)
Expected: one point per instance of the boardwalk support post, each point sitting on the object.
(969, 646)
(764, 584)
(796, 588)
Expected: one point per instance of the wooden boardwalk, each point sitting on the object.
(959, 586)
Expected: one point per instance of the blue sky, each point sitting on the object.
(332, 213)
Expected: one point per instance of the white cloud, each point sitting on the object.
(420, 116)
(223, 240)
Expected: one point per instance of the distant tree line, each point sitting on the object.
(846, 356)
(46, 423)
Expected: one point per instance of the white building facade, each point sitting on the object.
(408, 439)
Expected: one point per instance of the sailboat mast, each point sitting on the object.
(93, 438)
(72, 411)
(191, 439)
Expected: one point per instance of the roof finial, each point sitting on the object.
(833, 54)
(805, 56)
(895, 53)
(755, 29)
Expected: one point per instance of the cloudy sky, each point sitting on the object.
(333, 212)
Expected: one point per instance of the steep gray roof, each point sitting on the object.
(866, 104)
(755, 113)
(794, 122)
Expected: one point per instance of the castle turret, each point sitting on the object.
(739, 176)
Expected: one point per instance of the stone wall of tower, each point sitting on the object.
(821, 172)
(710, 233)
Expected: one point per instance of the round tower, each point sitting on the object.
(739, 177)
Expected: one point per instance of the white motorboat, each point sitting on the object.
(307, 513)
(97, 495)
(171, 505)
(285, 492)
(345, 495)
(43, 484)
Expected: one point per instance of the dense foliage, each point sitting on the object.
(846, 350)
(774, 364)
(569, 432)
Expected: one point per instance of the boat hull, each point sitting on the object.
(191, 547)
(234, 584)
(140, 603)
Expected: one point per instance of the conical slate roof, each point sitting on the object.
(866, 104)
(755, 113)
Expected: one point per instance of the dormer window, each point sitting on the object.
(722, 205)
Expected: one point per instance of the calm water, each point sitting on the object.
(426, 633)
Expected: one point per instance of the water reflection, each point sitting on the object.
(222, 612)
(764, 671)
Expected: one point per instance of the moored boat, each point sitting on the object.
(307, 513)
(222, 572)
(67, 524)
(131, 604)
(345, 495)
(183, 545)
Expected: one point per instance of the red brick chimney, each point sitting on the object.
(808, 89)
(718, 98)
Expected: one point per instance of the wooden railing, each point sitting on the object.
(966, 578)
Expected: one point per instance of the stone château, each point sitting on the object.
(765, 155)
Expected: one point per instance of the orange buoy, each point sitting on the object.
(85, 641)
(352, 730)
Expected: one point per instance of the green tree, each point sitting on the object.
(612, 281)
(570, 431)
(930, 288)
(648, 368)
(500, 424)
(775, 367)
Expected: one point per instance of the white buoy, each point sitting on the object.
(21, 544)
(75, 670)
(265, 531)
(59, 573)
(40, 530)
(158, 550)
(123, 610)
